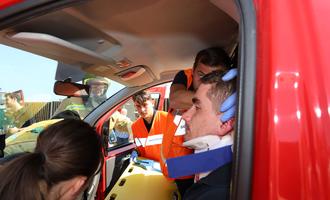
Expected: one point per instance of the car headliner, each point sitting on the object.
(111, 38)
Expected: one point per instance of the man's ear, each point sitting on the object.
(227, 126)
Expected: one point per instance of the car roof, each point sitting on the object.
(135, 42)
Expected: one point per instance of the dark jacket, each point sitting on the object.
(214, 186)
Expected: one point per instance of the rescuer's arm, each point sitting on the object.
(180, 97)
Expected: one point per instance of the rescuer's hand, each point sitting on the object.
(148, 164)
(134, 156)
(230, 75)
(228, 107)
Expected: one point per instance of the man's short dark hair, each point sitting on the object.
(220, 90)
(213, 57)
(141, 97)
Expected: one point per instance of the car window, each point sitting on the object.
(26, 91)
(117, 129)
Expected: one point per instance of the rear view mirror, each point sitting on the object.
(70, 89)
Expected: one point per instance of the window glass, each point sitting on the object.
(26, 87)
(119, 123)
(27, 97)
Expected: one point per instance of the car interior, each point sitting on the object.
(134, 43)
(139, 44)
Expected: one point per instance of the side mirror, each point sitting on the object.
(70, 89)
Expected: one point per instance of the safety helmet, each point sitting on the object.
(98, 81)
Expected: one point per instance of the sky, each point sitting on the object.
(35, 75)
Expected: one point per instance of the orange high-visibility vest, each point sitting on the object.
(148, 143)
(189, 75)
(172, 143)
(174, 137)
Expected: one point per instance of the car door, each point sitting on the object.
(113, 127)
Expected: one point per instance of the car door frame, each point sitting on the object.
(107, 181)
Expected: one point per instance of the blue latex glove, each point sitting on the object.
(148, 164)
(230, 75)
(228, 107)
(134, 156)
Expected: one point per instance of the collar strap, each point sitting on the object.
(198, 163)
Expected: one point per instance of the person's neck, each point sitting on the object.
(17, 107)
(149, 119)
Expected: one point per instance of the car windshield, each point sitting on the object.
(27, 96)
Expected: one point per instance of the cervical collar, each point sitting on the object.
(208, 142)
(211, 152)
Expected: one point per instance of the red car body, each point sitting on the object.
(291, 145)
(292, 107)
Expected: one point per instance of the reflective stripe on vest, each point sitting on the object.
(75, 107)
(181, 125)
(154, 139)
(140, 142)
(149, 141)
(172, 143)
